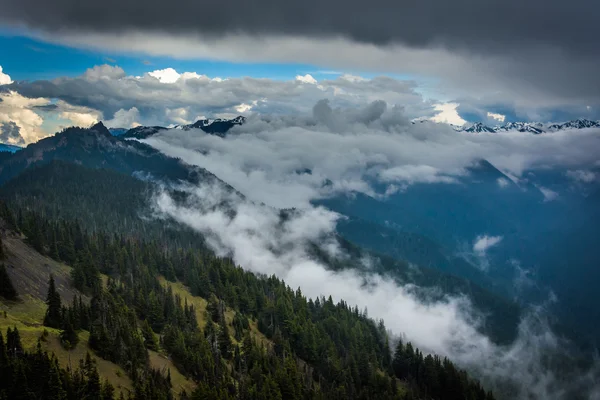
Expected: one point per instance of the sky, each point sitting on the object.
(503, 61)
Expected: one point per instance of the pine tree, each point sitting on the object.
(149, 338)
(68, 336)
(93, 387)
(7, 290)
(53, 316)
(55, 389)
(225, 343)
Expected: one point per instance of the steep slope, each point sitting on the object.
(107, 200)
(29, 271)
(313, 341)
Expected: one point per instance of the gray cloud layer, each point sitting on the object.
(484, 26)
(166, 97)
(353, 147)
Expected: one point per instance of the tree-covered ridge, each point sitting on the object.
(320, 349)
(97, 148)
(102, 199)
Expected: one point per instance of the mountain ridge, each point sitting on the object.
(531, 127)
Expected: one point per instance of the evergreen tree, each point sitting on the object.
(68, 336)
(149, 338)
(225, 343)
(7, 290)
(53, 318)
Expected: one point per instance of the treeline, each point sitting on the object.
(320, 349)
(108, 201)
(37, 375)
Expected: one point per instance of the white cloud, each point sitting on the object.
(244, 107)
(167, 75)
(79, 119)
(20, 110)
(484, 242)
(124, 119)
(497, 117)
(549, 195)
(306, 79)
(415, 174)
(78, 115)
(503, 182)
(4, 78)
(104, 73)
(447, 114)
(580, 175)
(178, 115)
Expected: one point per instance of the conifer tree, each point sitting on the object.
(53, 316)
(149, 338)
(7, 290)
(68, 336)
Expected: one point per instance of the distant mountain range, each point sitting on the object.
(9, 148)
(220, 127)
(531, 127)
(217, 127)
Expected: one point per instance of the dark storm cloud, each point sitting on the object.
(10, 133)
(470, 24)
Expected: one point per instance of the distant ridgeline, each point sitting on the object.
(9, 148)
(531, 127)
(217, 127)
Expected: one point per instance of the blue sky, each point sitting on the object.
(29, 59)
(25, 58)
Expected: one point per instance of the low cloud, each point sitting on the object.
(484, 242)
(287, 161)
(124, 119)
(503, 182)
(258, 240)
(549, 195)
(580, 175)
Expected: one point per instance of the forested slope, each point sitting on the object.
(319, 349)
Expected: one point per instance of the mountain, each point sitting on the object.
(479, 127)
(531, 127)
(575, 124)
(95, 147)
(217, 127)
(9, 148)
